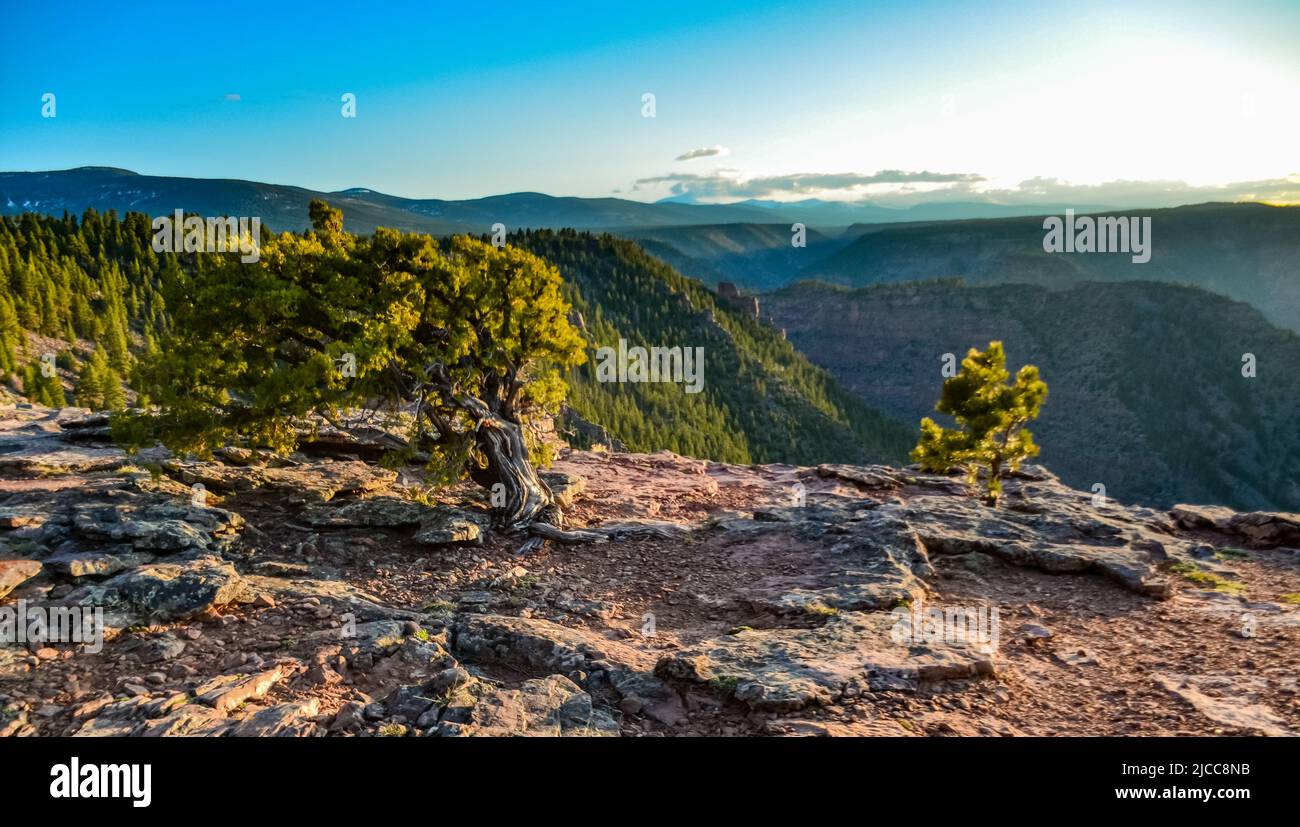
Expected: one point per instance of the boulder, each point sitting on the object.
(546, 707)
(173, 590)
(374, 512)
(444, 525)
(14, 573)
(286, 720)
(226, 692)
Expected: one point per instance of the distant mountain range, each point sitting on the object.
(285, 207)
(1249, 252)
(821, 213)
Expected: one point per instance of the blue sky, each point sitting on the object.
(461, 100)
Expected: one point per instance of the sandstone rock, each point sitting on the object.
(873, 478)
(279, 568)
(20, 517)
(173, 590)
(287, 720)
(131, 716)
(91, 708)
(548, 707)
(50, 453)
(509, 579)
(349, 718)
(565, 487)
(451, 526)
(1032, 631)
(14, 573)
(1231, 700)
(789, 669)
(225, 692)
(305, 483)
(160, 528)
(532, 644)
(1077, 656)
(108, 728)
(386, 512)
(410, 701)
(1071, 538)
(190, 720)
(160, 649)
(77, 564)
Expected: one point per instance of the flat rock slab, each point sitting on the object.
(1261, 529)
(788, 669)
(51, 455)
(303, 483)
(531, 644)
(164, 527)
(535, 644)
(1071, 538)
(875, 563)
(1230, 700)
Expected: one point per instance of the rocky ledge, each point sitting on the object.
(320, 595)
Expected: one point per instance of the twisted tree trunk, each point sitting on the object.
(517, 494)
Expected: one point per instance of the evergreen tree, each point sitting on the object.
(11, 337)
(990, 415)
(99, 387)
(42, 389)
(467, 340)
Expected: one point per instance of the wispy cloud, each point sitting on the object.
(725, 183)
(703, 152)
(233, 96)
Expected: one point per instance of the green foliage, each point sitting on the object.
(990, 415)
(99, 386)
(326, 322)
(91, 281)
(11, 337)
(1207, 580)
(42, 389)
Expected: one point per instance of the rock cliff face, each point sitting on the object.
(740, 302)
(320, 595)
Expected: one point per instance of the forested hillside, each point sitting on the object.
(89, 294)
(762, 400)
(1147, 392)
(85, 292)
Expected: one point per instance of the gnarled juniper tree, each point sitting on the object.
(991, 416)
(457, 343)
